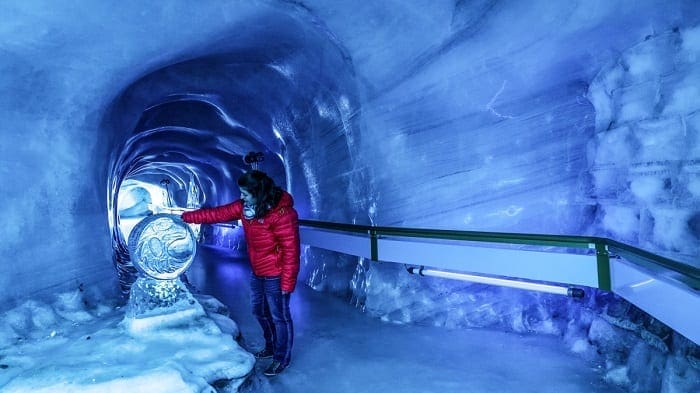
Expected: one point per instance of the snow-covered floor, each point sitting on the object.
(77, 344)
(339, 349)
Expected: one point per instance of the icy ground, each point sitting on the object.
(74, 345)
(80, 344)
(339, 349)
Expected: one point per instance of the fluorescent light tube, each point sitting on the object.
(504, 282)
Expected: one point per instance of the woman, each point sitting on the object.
(271, 229)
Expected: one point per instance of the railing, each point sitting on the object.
(601, 245)
(667, 289)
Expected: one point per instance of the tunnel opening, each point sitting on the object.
(288, 92)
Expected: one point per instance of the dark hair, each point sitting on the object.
(267, 195)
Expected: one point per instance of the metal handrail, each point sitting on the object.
(601, 244)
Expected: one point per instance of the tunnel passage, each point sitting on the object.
(281, 86)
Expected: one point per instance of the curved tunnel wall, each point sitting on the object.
(280, 88)
(464, 116)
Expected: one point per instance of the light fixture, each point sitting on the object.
(504, 282)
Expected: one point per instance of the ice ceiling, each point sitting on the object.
(540, 117)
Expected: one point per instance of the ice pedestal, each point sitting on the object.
(162, 247)
(159, 303)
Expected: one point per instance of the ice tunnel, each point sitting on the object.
(571, 119)
(282, 88)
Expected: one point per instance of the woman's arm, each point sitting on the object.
(228, 212)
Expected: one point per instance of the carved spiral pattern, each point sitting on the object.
(162, 246)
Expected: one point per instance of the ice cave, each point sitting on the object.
(494, 196)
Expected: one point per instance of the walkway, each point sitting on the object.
(338, 349)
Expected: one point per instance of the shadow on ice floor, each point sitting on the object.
(339, 349)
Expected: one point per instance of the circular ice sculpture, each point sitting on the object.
(162, 246)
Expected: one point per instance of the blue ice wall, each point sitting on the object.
(575, 117)
(60, 67)
(484, 115)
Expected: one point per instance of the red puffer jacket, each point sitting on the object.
(273, 241)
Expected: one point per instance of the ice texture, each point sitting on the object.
(539, 117)
(135, 202)
(80, 343)
(639, 352)
(162, 246)
(644, 154)
(460, 115)
(156, 303)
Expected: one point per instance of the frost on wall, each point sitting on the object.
(645, 156)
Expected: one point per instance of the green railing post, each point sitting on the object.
(374, 249)
(603, 259)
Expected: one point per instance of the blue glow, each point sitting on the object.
(538, 117)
